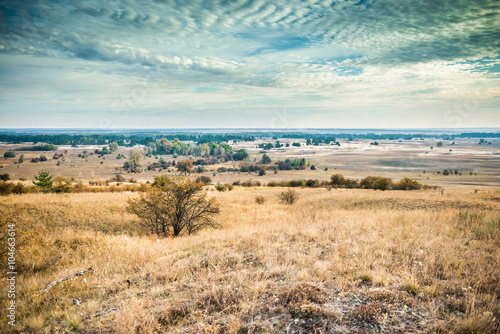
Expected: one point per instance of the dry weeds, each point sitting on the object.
(336, 261)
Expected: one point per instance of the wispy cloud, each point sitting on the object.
(157, 58)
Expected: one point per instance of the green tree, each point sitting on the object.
(113, 146)
(175, 206)
(135, 161)
(266, 159)
(241, 155)
(9, 154)
(43, 181)
(21, 159)
(439, 144)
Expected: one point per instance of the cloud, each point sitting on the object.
(332, 52)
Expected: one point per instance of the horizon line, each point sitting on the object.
(268, 129)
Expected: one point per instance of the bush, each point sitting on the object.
(118, 178)
(9, 154)
(312, 183)
(339, 181)
(63, 188)
(289, 197)
(7, 188)
(296, 183)
(383, 183)
(204, 179)
(377, 183)
(4, 177)
(175, 206)
(259, 199)
(407, 184)
(220, 187)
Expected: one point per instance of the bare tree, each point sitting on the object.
(175, 206)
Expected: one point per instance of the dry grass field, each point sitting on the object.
(336, 261)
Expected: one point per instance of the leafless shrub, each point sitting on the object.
(175, 206)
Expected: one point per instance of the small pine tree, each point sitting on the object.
(44, 181)
(21, 159)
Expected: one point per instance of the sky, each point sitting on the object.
(249, 64)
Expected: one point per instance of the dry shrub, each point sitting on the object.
(175, 206)
(289, 197)
(220, 187)
(302, 299)
(172, 315)
(259, 199)
(370, 313)
(412, 287)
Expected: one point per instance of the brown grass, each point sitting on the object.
(336, 260)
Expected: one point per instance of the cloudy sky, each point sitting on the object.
(244, 63)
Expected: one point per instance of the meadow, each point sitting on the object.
(338, 260)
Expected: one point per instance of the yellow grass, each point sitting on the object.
(417, 261)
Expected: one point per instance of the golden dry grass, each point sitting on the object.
(339, 260)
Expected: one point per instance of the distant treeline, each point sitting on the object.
(328, 137)
(124, 138)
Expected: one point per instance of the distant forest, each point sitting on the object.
(125, 138)
(122, 139)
